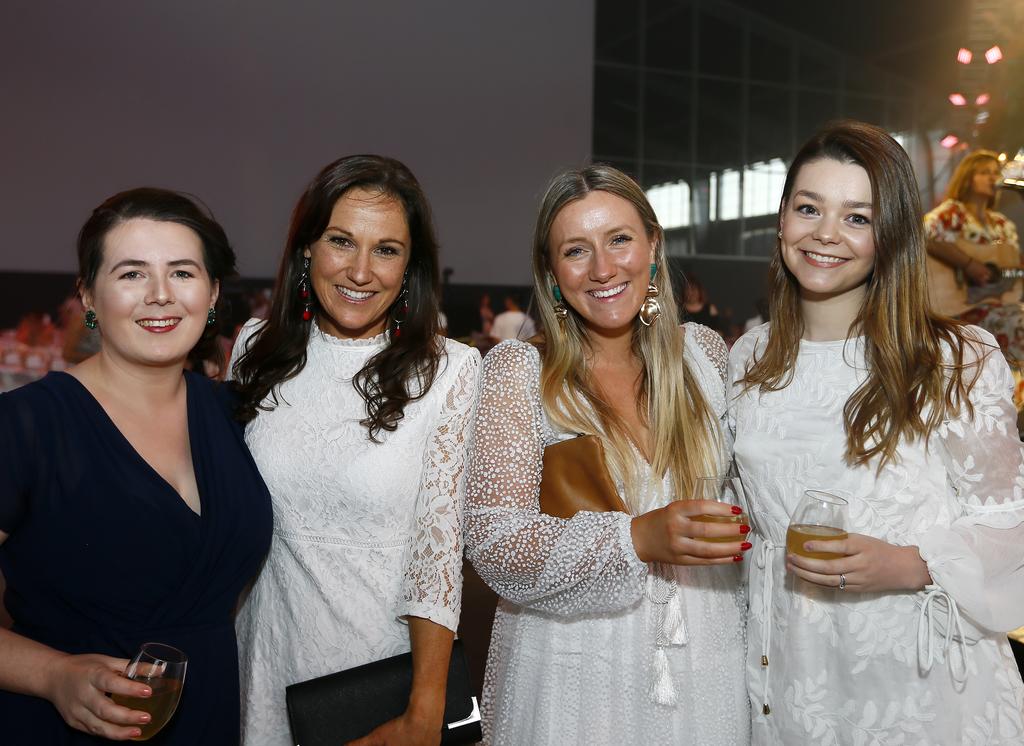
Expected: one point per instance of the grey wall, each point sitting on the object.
(242, 102)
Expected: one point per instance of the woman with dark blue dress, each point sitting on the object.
(130, 508)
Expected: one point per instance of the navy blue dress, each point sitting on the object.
(103, 554)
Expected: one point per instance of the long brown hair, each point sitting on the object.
(961, 184)
(686, 435)
(405, 369)
(909, 388)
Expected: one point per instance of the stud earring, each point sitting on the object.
(91, 322)
(211, 316)
(650, 311)
(305, 295)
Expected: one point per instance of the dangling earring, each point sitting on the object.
(651, 309)
(304, 292)
(780, 234)
(561, 312)
(90, 319)
(211, 316)
(402, 306)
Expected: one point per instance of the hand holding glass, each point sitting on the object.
(721, 489)
(162, 668)
(819, 516)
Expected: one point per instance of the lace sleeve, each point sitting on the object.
(712, 345)
(977, 560)
(584, 564)
(432, 584)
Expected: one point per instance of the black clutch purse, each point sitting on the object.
(344, 706)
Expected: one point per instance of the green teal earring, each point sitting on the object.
(211, 316)
(654, 271)
(90, 319)
(557, 293)
(561, 312)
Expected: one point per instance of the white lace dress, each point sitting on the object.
(875, 668)
(591, 645)
(364, 533)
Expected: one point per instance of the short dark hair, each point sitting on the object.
(162, 205)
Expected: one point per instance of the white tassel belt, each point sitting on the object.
(766, 564)
(670, 630)
(935, 595)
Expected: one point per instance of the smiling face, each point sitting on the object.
(357, 266)
(600, 256)
(152, 292)
(827, 238)
(985, 179)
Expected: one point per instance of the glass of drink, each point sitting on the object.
(162, 668)
(723, 488)
(819, 516)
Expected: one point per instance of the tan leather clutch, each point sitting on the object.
(575, 477)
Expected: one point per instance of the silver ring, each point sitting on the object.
(842, 582)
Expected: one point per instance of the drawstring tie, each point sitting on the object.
(926, 631)
(670, 630)
(765, 563)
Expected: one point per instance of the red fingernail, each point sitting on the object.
(135, 733)
(737, 510)
(737, 558)
(746, 545)
(744, 529)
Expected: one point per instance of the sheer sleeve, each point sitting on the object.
(979, 559)
(713, 347)
(17, 444)
(585, 564)
(432, 583)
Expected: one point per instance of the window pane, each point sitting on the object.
(719, 45)
(667, 117)
(771, 123)
(813, 110)
(615, 32)
(668, 34)
(718, 125)
(615, 112)
(769, 60)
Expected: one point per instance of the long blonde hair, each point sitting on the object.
(687, 440)
(909, 388)
(961, 184)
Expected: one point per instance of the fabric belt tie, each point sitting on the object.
(765, 563)
(926, 633)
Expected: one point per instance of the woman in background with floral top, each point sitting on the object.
(612, 627)
(857, 387)
(358, 417)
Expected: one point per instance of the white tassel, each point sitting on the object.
(673, 626)
(663, 692)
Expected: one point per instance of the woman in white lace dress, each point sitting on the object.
(359, 416)
(611, 629)
(855, 387)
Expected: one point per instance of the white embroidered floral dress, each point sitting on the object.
(591, 645)
(876, 668)
(364, 533)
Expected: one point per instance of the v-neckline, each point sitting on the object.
(140, 458)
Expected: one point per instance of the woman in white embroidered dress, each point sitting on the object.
(359, 416)
(611, 628)
(856, 387)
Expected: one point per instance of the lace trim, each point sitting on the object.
(713, 347)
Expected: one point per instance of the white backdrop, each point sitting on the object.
(242, 102)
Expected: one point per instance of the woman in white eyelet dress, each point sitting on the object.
(591, 644)
(366, 556)
(902, 639)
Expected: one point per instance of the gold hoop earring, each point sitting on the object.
(650, 311)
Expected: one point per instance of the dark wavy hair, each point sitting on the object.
(164, 205)
(405, 369)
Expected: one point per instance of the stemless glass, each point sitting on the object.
(723, 488)
(162, 668)
(819, 516)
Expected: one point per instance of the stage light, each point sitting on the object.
(949, 141)
(957, 99)
(1002, 157)
(982, 99)
(964, 56)
(993, 55)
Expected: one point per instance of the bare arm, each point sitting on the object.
(421, 723)
(953, 256)
(75, 684)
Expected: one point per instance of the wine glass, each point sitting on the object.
(819, 516)
(162, 668)
(723, 488)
